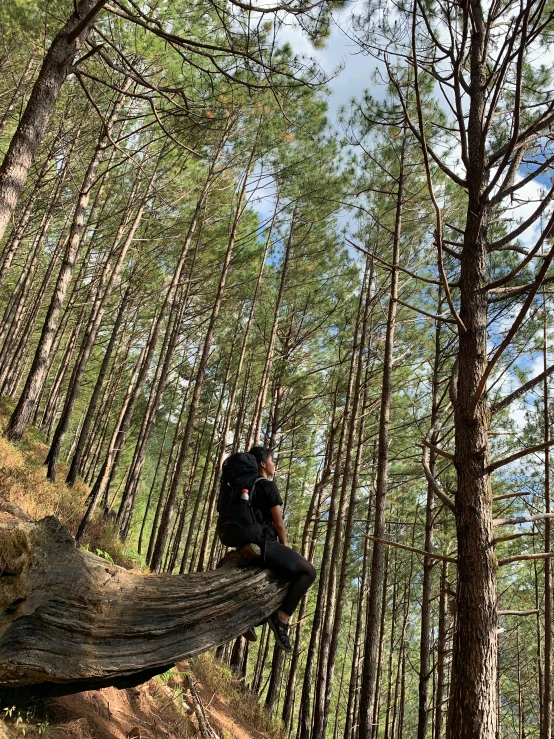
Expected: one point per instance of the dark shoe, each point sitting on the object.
(281, 632)
(250, 635)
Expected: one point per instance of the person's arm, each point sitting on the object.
(279, 524)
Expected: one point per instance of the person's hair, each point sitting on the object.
(261, 453)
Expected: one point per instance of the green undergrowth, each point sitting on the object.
(24, 721)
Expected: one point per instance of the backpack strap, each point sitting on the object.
(264, 530)
(254, 489)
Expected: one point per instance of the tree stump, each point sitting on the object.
(71, 621)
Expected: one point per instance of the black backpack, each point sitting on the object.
(237, 523)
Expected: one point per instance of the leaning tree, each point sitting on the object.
(205, 47)
(234, 46)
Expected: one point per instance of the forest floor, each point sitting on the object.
(162, 708)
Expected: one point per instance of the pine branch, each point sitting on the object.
(525, 558)
(523, 453)
(514, 520)
(518, 613)
(522, 390)
(435, 486)
(396, 545)
(438, 450)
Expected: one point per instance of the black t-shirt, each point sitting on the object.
(266, 497)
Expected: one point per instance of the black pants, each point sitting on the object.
(294, 567)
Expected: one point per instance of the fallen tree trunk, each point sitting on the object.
(71, 621)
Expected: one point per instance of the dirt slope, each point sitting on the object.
(162, 708)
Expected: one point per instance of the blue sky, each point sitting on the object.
(340, 53)
(348, 70)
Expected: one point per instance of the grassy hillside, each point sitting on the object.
(23, 481)
(163, 708)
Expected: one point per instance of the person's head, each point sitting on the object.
(266, 466)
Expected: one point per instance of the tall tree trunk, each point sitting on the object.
(209, 461)
(256, 426)
(17, 93)
(389, 681)
(170, 467)
(19, 341)
(380, 653)
(27, 401)
(401, 666)
(354, 670)
(76, 306)
(75, 466)
(307, 544)
(245, 399)
(540, 680)
(112, 459)
(425, 633)
(199, 380)
(474, 711)
(378, 557)
(121, 366)
(19, 230)
(68, 332)
(253, 302)
(128, 497)
(161, 455)
(521, 727)
(274, 678)
(441, 652)
(52, 405)
(340, 487)
(547, 692)
(192, 474)
(93, 224)
(342, 673)
(26, 140)
(236, 660)
(98, 489)
(89, 338)
(265, 640)
(156, 395)
(18, 302)
(347, 505)
(305, 728)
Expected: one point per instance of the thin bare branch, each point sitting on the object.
(424, 149)
(438, 450)
(424, 313)
(515, 520)
(433, 482)
(522, 453)
(513, 329)
(532, 612)
(525, 558)
(395, 545)
(529, 385)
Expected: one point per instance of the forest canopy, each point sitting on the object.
(194, 257)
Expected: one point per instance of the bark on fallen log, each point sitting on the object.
(71, 621)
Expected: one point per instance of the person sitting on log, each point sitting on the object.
(250, 512)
